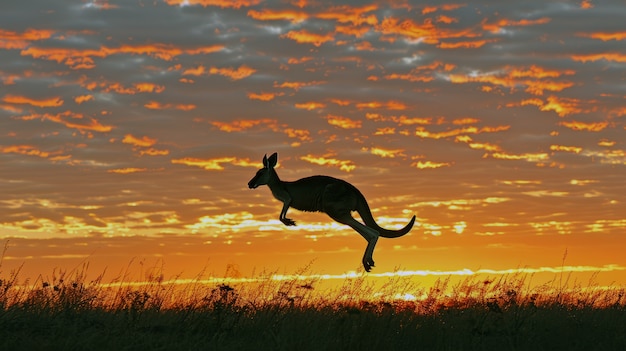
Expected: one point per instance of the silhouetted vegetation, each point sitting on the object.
(70, 312)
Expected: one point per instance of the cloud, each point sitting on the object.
(385, 153)
(561, 106)
(234, 74)
(240, 125)
(530, 157)
(297, 85)
(563, 148)
(292, 16)
(533, 78)
(423, 132)
(445, 7)
(311, 105)
(127, 170)
(344, 165)
(156, 105)
(430, 164)
(72, 120)
(29, 150)
(502, 24)
(15, 40)
(355, 16)
(263, 96)
(387, 105)
(343, 122)
(236, 4)
(48, 102)
(592, 127)
(83, 98)
(609, 56)
(85, 58)
(306, 37)
(265, 123)
(143, 146)
(143, 141)
(604, 36)
(213, 164)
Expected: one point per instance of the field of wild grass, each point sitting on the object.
(71, 312)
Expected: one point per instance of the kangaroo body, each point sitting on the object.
(335, 197)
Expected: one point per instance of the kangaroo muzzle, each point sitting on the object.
(252, 184)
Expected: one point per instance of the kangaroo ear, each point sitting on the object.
(265, 161)
(271, 162)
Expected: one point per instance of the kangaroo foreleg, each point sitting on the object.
(283, 214)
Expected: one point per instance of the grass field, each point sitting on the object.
(71, 312)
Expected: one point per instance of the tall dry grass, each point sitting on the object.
(69, 310)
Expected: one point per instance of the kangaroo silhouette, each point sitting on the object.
(335, 197)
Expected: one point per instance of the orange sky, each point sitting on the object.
(129, 131)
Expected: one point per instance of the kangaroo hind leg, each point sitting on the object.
(369, 234)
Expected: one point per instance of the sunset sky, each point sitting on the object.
(129, 131)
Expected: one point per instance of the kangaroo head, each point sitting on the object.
(265, 174)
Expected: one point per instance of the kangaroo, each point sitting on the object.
(335, 197)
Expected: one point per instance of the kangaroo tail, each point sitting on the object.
(366, 215)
